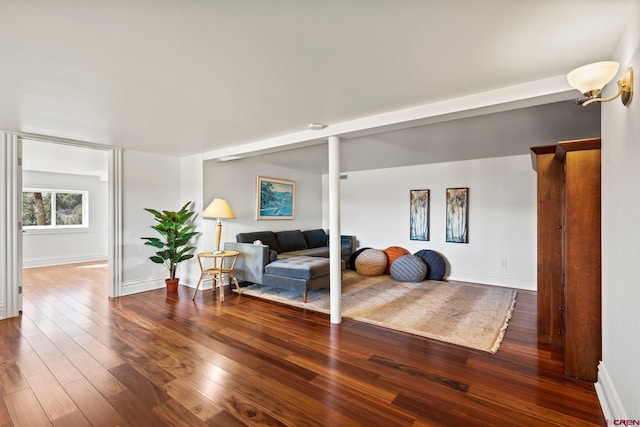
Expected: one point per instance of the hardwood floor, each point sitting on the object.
(77, 358)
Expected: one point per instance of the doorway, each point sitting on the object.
(11, 211)
(65, 204)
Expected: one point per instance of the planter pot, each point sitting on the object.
(172, 285)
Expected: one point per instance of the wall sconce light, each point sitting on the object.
(590, 79)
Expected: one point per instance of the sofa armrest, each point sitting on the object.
(251, 261)
(347, 244)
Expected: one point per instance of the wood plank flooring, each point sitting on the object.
(76, 358)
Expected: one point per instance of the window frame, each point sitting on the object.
(54, 227)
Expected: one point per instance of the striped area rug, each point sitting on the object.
(470, 315)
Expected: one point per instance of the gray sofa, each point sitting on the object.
(290, 259)
(296, 242)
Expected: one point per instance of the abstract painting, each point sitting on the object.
(458, 215)
(419, 214)
(275, 198)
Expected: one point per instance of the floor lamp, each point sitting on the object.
(218, 209)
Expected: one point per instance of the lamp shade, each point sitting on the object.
(590, 79)
(218, 208)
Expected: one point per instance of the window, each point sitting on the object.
(51, 209)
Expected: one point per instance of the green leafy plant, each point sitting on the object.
(174, 243)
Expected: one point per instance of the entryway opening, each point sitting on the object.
(65, 215)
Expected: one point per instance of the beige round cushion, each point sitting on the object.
(371, 262)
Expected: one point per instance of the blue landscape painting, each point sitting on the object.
(276, 199)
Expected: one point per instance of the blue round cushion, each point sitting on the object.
(408, 268)
(435, 262)
(352, 258)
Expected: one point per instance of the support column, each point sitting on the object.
(335, 254)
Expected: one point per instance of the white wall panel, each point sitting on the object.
(149, 181)
(620, 232)
(236, 182)
(502, 215)
(191, 190)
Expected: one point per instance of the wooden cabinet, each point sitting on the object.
(550, 177)
(569, 252)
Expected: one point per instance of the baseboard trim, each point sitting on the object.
(608, 397)
(192, 280)
(50, 261)
(137, 286)
(507, 281)
(152, 283)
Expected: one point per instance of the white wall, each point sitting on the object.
(502, 215)
(236, 181)
(191, 190)
(42, 248)
(619, 375)
(149, 181)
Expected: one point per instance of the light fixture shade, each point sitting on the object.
(590, 79)
(218, 208)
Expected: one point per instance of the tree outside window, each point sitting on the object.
(70, 208)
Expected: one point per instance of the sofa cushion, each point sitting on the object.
(316, 238)
(292, 240)
(300, 267)
(319, 252)
(268, 238)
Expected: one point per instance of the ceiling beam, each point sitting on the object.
(529, 94)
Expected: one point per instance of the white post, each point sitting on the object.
(335, 255)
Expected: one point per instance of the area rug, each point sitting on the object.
(474, 316)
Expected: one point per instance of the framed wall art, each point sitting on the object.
(419, 214)
(275, 198)
(458, 215)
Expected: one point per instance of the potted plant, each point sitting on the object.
(174, 243)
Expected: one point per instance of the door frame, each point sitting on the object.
(12, 189)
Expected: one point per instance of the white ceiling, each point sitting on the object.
(508, 133)
(41, 156)
(196, 76)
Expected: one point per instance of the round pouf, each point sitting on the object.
(371, 262)
(393, 253)
(353, 257)
(409, 268)
(435, 262)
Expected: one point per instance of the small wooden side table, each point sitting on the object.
(223, 263)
